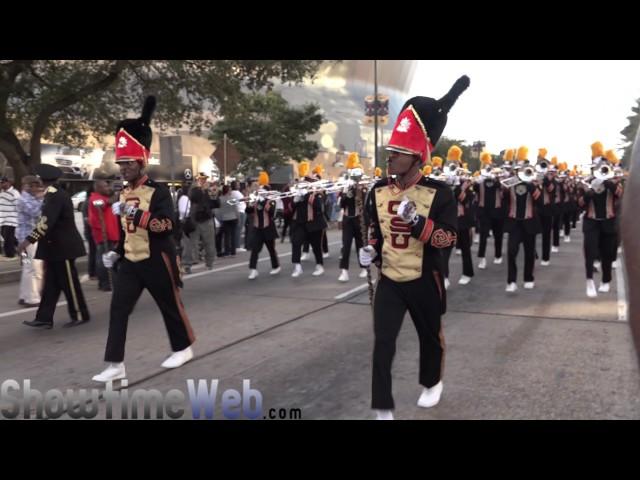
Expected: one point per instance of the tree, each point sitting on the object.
(68, 101)
(268, 132)
(629, 134)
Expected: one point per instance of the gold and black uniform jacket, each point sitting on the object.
(408, 252)
(149, 231)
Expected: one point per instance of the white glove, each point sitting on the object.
(367, 255)
(303, 192)
(129, 210)
(407, 210)
(109, 258)
(115, 208)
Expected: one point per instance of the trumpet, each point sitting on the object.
(490, 172)
(542, 167)
(604, 172)
(528, 174)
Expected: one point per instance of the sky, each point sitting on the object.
(562, 105)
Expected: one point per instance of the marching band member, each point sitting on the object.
(491, 210)
(599, 222)
(146, 254)
(351, 202)
(465, 198)
(412, 219)
(523, 222)
(261, 214)
(559, 195)
(307, 224)
(546, 207)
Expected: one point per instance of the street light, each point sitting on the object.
(376, 110)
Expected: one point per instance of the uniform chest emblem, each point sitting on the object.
(521, 189)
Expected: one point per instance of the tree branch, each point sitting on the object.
(43, 118)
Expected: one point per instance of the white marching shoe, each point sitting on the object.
(614, 264)
(253, 273)
(497, 260)
(384, 414)
(529, 285)
(591, 289)
(177, 359)
(597, 264)
(458, 251)
(304, 257)
(464, 280)
(430, 396)
(318, 271)
(555, 249)
(363, 273)
(604, 287)
(115, 371)
(544, 263)
(567, 239)
(297, 270)
(275, 271)
(326, 255)
(446, 283)
(483, 263)
(511, 287)
(344, 276)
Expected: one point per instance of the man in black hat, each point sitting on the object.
(412, 218)
(59, 244)
(146, 253)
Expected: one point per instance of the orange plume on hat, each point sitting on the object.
(303, 169)
(597, 150)
(454, 153)
(263, 179)
(353, 160)
(611, 156)
(508, 155)
(523, 152)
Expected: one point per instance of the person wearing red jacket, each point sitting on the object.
(100, 200)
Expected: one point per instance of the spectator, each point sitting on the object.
(29, 208)
(8, 216)
(103, 192)
(242, 216)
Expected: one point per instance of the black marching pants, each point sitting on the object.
(422, 298)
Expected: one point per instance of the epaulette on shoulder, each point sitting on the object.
(435, 183)
(383, 182)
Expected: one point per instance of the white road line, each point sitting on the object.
(245, 264)
(185, 277)
(622, 291)
(26, 310)
(353, 290)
